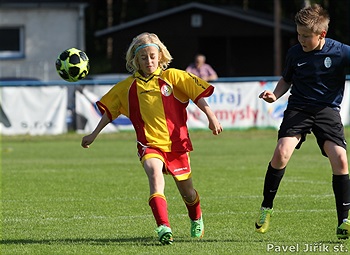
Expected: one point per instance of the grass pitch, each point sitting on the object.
(58, 198)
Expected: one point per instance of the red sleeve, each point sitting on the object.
(102, 108)
(206, 93)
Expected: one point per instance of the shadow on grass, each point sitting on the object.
(96, 241)
(145, 241)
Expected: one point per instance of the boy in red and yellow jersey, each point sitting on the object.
(155, 99)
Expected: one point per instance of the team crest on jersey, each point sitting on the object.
(327, 62)
(166, 90)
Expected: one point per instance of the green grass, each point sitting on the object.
(58, 198)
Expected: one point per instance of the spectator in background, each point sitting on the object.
(202, 69)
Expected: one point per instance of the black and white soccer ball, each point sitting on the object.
(72, 65)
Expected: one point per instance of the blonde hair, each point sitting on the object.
(132, 64)
(314, 18)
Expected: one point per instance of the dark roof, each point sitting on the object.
(234, 12)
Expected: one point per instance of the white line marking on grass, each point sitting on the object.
(9, 220)
(260, 196)
(292, 180)
(299, 180)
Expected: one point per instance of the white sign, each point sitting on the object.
(33, 110)
(42, 110)
(235, 104)
(88, 115)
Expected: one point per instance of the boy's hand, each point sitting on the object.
(268, 96)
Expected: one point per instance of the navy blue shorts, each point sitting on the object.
(324, 122)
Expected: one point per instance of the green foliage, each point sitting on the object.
(58, 198)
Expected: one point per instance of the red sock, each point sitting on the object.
(194, 208)
(158, 204)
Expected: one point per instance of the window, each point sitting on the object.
(12, 42)
(196, 20)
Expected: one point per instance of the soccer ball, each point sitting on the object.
(72, 65)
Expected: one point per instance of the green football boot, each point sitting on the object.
(343, 231)
(165, 235)
(197, 228)
(263, 221)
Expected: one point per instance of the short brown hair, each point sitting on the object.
(313, 17)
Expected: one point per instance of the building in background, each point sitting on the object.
(33, 33)
(236, 42)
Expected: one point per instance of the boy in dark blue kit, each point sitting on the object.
(315, 72)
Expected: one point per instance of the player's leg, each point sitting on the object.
(191, 199)
(275, 171)
(329, 132)
(154, 170)
(341, 186)
(273, 177)
(157, 201)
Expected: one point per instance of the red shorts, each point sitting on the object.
(175, 164)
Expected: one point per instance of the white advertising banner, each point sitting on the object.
(42, 110)
(345, 106)
(33, 110)
(235, 104)
(88, 115)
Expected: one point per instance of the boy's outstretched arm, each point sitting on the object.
(214, 124)
(87, 140)
(281, 88)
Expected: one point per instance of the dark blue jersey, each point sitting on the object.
(318, 76)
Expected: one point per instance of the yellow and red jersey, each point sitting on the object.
(156, 106)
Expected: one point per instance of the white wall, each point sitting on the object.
(48, 31)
